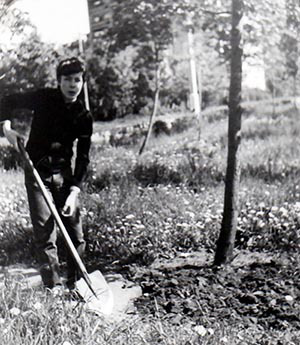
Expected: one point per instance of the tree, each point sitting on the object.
(155, 103)
(30, 65)
(140, 25)
(150, 27)
(226, 239)
(111, 89)
(290, 40)
(25, 61)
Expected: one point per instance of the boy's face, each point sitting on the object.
(70, 86)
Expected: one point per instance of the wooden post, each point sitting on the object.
(194, 82)
(85, 87)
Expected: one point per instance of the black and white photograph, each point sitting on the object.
(149, 172)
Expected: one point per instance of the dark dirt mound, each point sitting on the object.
(262, 293)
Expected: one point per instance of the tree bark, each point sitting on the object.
(155, 106)
(225, 243)
(151, 121)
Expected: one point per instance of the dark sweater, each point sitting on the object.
(55, 126)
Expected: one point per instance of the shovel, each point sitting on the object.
(92, 288)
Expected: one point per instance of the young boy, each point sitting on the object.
(59, 118)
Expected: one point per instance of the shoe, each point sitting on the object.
(70, 283)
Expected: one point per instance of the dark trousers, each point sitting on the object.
(45, 231)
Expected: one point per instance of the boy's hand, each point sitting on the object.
(70, 203)
(11, 135)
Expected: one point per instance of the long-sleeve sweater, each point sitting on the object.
(54, 128)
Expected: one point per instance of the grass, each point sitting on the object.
(143, 209)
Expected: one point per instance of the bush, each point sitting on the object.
(156, 173)
(182, 124)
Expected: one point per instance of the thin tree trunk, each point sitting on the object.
(295, 90)
(225, 243)
(151, 121)
(273, 102)
(85, 86)
(154, 110)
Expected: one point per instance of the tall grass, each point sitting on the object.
(29, 317)
(170, 199)
(140, 208)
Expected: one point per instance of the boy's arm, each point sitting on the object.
(82, 160)
(83, 150)
(81, 163)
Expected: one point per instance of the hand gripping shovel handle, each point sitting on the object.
(56, 216)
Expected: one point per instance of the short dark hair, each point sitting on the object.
(70, 66)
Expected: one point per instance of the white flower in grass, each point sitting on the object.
(15, 311)
(201, 330)
(64, 329)
(190, 214)
(283, 211)
(289, 298)
(224, 340)
(37, 306)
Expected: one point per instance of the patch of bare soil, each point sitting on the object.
(256, 289)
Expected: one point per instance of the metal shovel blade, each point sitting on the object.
(103, 302)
